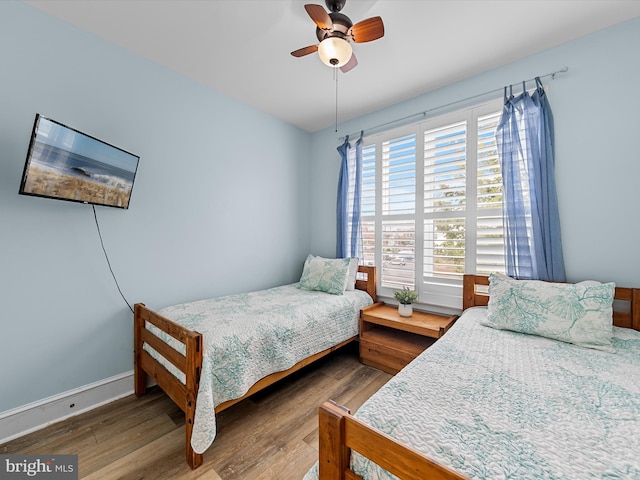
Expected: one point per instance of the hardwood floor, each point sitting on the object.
(272, 435)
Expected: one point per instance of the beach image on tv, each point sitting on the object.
(67, 164)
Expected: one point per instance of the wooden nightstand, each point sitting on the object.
(389, 342)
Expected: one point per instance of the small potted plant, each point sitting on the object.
(405, 298)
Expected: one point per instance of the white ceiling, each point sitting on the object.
(242, 47)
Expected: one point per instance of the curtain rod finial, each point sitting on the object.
(562, 70)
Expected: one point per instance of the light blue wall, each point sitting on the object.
(220, 204)
(224, 197)
(596, 108)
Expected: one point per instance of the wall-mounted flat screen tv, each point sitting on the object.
(66, 164)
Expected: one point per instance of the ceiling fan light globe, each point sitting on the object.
(334, 51)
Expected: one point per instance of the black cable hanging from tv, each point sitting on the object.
(107, 257)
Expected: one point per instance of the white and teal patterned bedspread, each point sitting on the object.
(496, 405)
(251, 335)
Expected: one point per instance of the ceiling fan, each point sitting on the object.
(336, 31)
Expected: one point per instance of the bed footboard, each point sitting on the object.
(190, 364)
(339, 433)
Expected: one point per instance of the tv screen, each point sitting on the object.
(66, 164)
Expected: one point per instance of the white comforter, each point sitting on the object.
(501, 405)
(251, 335)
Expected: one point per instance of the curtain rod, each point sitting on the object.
(425, 112)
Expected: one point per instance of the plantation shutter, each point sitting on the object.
(490, 235)
(368, 204)
(432, 204)
(445, 181)
(398, 212)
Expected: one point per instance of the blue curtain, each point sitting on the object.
(349, 238)
(525, 140)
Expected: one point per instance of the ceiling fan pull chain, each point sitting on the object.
(335, 73)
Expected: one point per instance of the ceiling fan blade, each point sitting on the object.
(367, 30)
(301, 52)
(320, 16)
(353, 61)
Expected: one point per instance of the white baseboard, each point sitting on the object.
(34, 416)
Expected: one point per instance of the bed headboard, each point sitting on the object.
(369, 282)
(626, 313)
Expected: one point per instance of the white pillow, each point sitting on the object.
(581, 314)
(325, 274)
(353, 273)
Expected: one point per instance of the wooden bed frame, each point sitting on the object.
(190, 364)
(339, 432)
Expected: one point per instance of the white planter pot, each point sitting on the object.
(405, 310)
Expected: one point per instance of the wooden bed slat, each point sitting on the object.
(167, 326)
(173, 387)
(623, 293)
(175, 357)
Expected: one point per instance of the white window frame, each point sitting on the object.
(446, 293)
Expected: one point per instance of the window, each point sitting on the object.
(432, 204)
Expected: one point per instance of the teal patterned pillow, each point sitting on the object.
(580, 313)
(325, 274)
